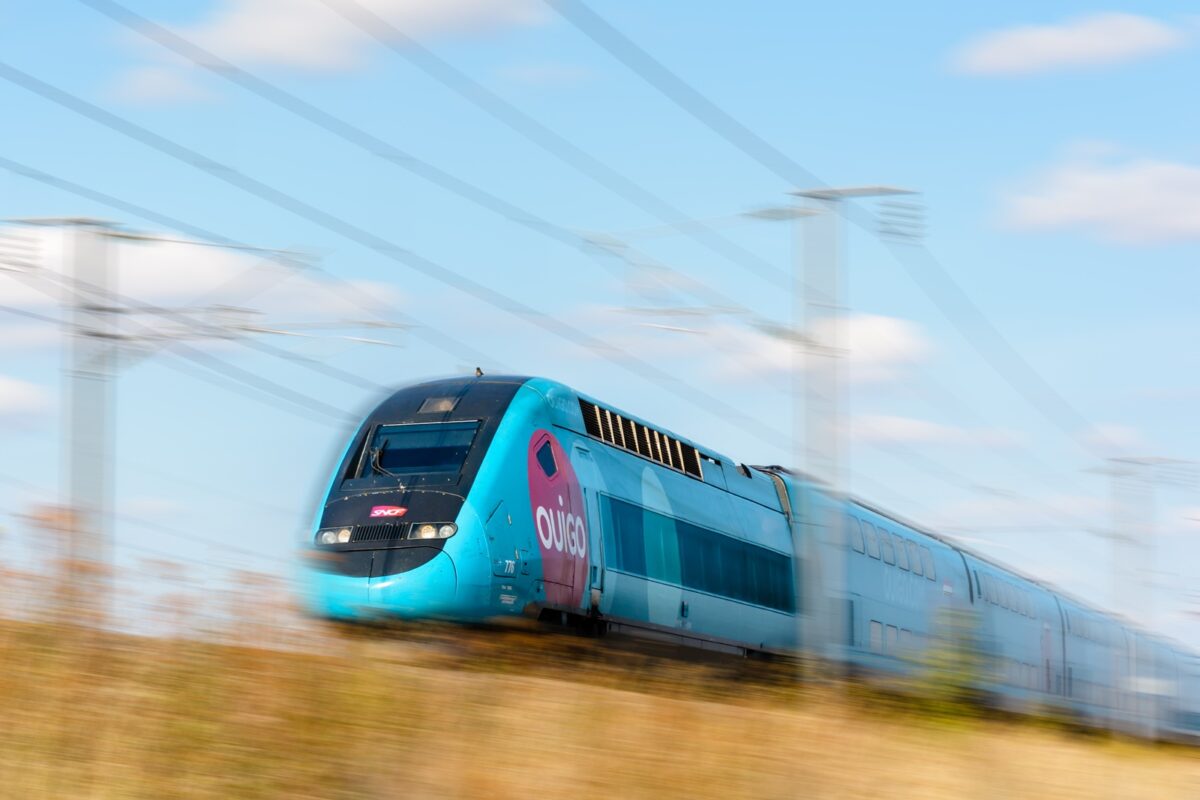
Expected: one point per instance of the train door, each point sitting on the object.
(589, 483)
(559, 518)
(665, 603)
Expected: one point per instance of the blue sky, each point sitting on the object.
(1052, 148)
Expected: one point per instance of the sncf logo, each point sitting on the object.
(388, 511)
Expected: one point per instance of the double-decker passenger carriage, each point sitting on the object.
(478, 498)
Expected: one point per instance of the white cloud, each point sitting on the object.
(310, 35)
(886, 429)
(878, 348)
(1121, 199)
(201, 280)
(157, 85)
(20, 399)
(1106, 38)
(1115, 439)
(31, 336)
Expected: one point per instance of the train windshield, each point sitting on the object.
(424, 452)
(419, 449)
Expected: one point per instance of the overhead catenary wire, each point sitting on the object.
(929, 274)
(324, 412)
(29, 486)
(566, 151)
(393, 252)
(441, 339)
(389, 152)
(907, 455)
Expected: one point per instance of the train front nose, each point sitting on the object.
(412, 582)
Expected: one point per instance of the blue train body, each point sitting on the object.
(478, 498)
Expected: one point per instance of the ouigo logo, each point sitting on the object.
(388, 511)
(556, 502)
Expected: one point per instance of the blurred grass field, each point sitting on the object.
(468, 713)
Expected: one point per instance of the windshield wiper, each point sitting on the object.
(376, 454)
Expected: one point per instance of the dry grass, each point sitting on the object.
(478, 714)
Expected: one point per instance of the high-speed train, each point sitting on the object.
(478, 498)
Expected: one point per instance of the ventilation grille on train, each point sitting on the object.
(379, 532)
(638, 438)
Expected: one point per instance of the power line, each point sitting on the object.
(20, 312)
(553, 143)
(390, 250)
(166, 529)
(324, 411)
(439, 339)
(926, 271)
(378, 147)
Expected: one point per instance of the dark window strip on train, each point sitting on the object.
(653, 545)
(609, 426)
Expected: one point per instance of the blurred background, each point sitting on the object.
(231, 225)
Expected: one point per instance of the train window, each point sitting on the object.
(872, 540)
(901, 552)
(437, 405)
(892, 646)
(419, 449)
(906, 642)
(854, 533)
(885, 545)
(876, 636)
(914, 558)
(927, 563)
(545, 459)
(663, 548)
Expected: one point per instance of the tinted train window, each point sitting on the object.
(854, 533)
(901, 552)
(545, 459)
(626, 521)
(927, 563)
(893, 640)
(885, 544)
(656, 546)
(872, 541)
(876, 636)
(914, 558)
(419, 449)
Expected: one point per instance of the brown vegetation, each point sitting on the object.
(459, 713)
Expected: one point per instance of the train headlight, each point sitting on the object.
(334, 535)
(432, 530)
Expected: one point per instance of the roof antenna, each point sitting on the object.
(478, 372)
